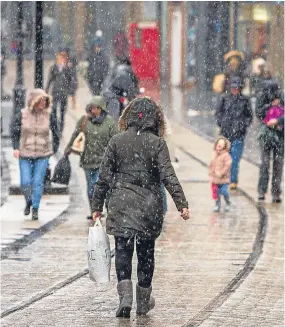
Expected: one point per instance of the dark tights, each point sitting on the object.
(123, 259)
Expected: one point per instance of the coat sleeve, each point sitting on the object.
(15, 130)
(262, 106)
(74, 135)
(113, 129)
(248, 113)
(55, 133)
(169, 178)
(106, 175)
(51, 78)
(220, 112)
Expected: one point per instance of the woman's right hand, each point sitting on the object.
(16, 154)
(185, 214)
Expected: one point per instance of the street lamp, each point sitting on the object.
(19, 90)
(39, 46)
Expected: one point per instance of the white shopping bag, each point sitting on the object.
(99, 254)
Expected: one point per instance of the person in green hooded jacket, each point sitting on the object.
(98, 129)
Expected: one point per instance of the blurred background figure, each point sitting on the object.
(98, 67)
(270, 112)
(60, 77)
(120, 46)
(72, 64)
(123, 87)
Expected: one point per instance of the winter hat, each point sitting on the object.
(97, 42)
(97, 101)
(236, 82)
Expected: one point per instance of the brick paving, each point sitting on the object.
(195, 260)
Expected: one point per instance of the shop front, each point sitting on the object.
(259, 31)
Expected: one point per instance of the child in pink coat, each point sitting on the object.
(219, 172)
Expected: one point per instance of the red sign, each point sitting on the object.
(144, 50)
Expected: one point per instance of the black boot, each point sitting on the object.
(35, 214)
(27, 208)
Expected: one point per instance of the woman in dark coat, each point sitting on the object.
(135, 164)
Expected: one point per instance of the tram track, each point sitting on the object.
(212, 305)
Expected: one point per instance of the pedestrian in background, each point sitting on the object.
(219, 172)
(72, 64)
(31, 129)
(270, 112)
(98, 67)
(60, 78)
(234, 116)
(135, 164)
(98, 129)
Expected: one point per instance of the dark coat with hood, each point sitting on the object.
(234, 116)
(270, 91)
(98, 132)
(135, 164)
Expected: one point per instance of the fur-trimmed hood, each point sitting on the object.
(34, 98)
(144, 115)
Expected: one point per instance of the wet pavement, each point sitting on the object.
(215, 270)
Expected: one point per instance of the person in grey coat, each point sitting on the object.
(135, 164)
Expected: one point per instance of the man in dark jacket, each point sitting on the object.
(234, 116)
(60, 78)
(124, 84)
(135, 164)
(97, 69)
(270, 96)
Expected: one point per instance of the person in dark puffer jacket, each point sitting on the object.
(234, 116)
(135, 164)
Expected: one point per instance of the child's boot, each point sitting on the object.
(217, 207)
(228, 205)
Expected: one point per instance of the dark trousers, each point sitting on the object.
(123, 259)
(278, 159)
(59, 100)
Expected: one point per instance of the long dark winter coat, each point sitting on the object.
(97, 69)
(234, 116)
(135, 164)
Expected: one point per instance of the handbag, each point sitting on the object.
(99, 254)
(79, 143)
(62, 171)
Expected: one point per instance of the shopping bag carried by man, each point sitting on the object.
(62, 171)
(99, 254)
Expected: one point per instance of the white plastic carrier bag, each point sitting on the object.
(99, 254)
